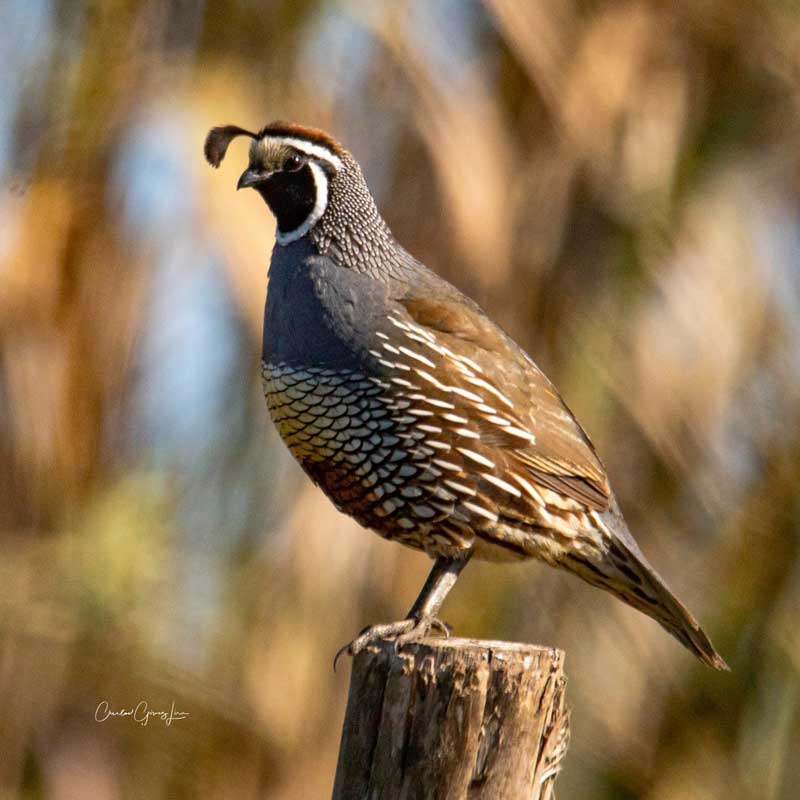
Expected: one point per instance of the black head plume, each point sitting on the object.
(218, 140)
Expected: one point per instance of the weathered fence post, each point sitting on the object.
(448, 719)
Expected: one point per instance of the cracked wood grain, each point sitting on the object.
(453, 719)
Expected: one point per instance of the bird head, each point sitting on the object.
(290, 166)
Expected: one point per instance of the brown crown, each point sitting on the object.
(313, 135)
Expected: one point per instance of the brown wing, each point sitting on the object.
(523, 424)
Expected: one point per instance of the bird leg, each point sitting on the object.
(421, 618)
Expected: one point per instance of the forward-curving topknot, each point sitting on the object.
(218, 140)
(220, 137)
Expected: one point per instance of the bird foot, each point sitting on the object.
(402, 632)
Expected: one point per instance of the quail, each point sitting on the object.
(414, 412)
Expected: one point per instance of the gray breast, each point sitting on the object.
(319, 313)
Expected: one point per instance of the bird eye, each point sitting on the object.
(293, 163)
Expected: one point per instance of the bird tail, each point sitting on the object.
(625, 572)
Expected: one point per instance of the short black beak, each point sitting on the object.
(252, 177)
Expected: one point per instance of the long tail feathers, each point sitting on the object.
(625, 572)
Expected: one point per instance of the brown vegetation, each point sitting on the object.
(615, 182)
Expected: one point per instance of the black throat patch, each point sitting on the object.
(291, 197)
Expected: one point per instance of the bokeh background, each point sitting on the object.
(617, 183)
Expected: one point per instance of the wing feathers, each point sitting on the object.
(517, 420)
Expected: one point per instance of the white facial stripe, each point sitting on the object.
(321, 188)
(313, 150)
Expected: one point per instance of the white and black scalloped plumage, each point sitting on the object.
(411, 409)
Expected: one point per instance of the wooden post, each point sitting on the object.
(448, 719)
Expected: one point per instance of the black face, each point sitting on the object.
(286, 182)
(290, 194)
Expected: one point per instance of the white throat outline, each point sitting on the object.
(321, 203)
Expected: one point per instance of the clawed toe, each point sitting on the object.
(422, 627)
(404, 631)
(372, 633)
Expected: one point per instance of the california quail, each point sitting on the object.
(412, 410)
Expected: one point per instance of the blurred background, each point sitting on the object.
(617, 183)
